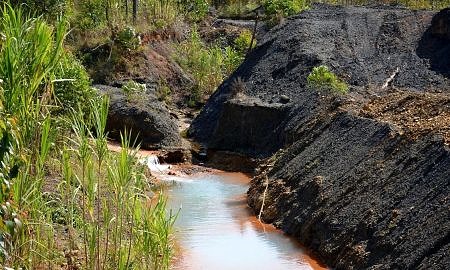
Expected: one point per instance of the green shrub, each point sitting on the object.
(284, 7)
(51, 9)
(239, 8)
(132, 90)
(242, 42)
(208, 65)
(232, 59)
(322, 78)
(195, 10)
(72, 85)
(127, 38)
(91, 14)
(163, 92)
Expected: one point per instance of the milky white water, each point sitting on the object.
(215, 229)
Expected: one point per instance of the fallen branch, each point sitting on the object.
(264, 199)
(389, 80)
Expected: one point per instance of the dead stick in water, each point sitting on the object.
(264, 199)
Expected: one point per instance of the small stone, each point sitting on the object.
(284, 99)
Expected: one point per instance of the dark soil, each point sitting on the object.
(364, 46)
(362, 179)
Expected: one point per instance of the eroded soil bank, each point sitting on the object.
(364, 178)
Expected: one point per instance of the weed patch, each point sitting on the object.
(322, 78)
(207, 65)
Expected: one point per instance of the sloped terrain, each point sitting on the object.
(364, 178)
(147, 119)
(362, 194)
(364, 46)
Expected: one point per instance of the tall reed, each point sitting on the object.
(29, 51)
(92, 194)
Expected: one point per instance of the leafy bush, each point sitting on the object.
(242, 42)
(232, 59)
(284, 7)
(195, 10)
(51, 9)
(91, 14)
(322, 78)
(127, 38)
(163, 92)
(132, 89)
(207, 65)
(239, 8)
(72, 85)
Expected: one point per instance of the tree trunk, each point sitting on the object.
(135, 7)
(107, 12)
(126, 11)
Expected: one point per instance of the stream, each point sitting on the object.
(216, 230)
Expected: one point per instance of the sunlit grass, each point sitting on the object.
(58, 178)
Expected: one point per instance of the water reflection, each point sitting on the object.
(216, 231)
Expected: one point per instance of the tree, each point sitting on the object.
(135, 7)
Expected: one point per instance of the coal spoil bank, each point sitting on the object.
(363, 179)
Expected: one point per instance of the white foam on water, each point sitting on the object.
(153, 164)
(161, 170)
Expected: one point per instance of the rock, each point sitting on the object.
(284, 99)
(434, 45)
(231, 161)
(175, 155)
(248, 126)
(151, 64)
(147, 118)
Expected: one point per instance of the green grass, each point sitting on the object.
(323, 79)
(164, 92)
(59, 181)
(208, 65)
(243, 41)
(238, 8)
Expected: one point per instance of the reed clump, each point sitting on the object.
(66, 200)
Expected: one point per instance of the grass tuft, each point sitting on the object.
(323, 79)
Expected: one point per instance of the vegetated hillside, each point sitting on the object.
(363, 178)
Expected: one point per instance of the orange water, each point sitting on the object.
(216, 230)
